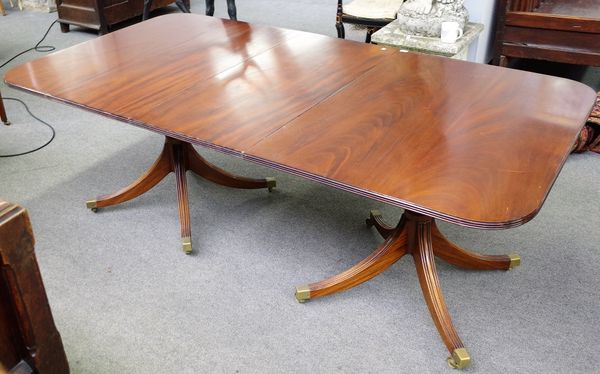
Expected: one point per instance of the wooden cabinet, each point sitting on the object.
(563, 31)
(101, 14)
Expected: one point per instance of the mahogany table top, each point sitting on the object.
(468, 143)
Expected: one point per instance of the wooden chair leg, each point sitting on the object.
(369, 33)
(457, 256)
(146, 10)
(2, 10)
(341, 33)
(231, 10)
(183, 7)
(210, 7)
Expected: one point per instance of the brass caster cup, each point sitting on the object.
(460, 359)
(91, 204)
(515, 260)
(302, 293)
(271, 183)
(187, 245)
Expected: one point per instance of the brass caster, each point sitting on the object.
(515, 260)
(187, 245)
(302, 293)
(460, 359)
(371, 220)
(271, 183)
(91, 204)
(7, 123)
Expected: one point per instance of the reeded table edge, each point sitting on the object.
(393, 201)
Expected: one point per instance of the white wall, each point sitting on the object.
(482, 11)
(43, 5)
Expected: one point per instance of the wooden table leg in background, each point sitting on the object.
(179, 157)
(418, 235)
(3, 112)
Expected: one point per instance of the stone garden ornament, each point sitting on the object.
(425, 17)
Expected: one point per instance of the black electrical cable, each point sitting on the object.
(37, 48)
(39, 119)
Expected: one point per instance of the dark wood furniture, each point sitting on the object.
(101, 15)
(371, 24)
(3, 117)
(231, 9)
(148, 7)
(29, 341)
(441, 138)
(565, 31)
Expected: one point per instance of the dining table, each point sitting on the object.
(471, 144)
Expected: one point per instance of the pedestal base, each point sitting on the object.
(178, 157)
(419, 236)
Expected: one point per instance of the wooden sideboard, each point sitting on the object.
(562, 31)
(101, 15)
(29, 341)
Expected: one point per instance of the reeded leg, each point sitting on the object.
(418, 235)
(203, 168)
(422, 251)
(457, 256)
(178, 157)
(180, 167)
(210, 7)
(231, 10)
(385, 256)
(156, 173)
(376, 219)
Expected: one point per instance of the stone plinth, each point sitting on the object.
(392, 36)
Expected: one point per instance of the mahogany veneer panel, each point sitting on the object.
(467, 143)
(217, 82)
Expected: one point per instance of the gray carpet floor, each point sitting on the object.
(127, 300)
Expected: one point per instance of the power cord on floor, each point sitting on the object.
(40, 120)
(37, 48)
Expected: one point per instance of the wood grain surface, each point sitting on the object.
(467, 143)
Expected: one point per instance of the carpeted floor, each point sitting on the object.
(127, 300)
